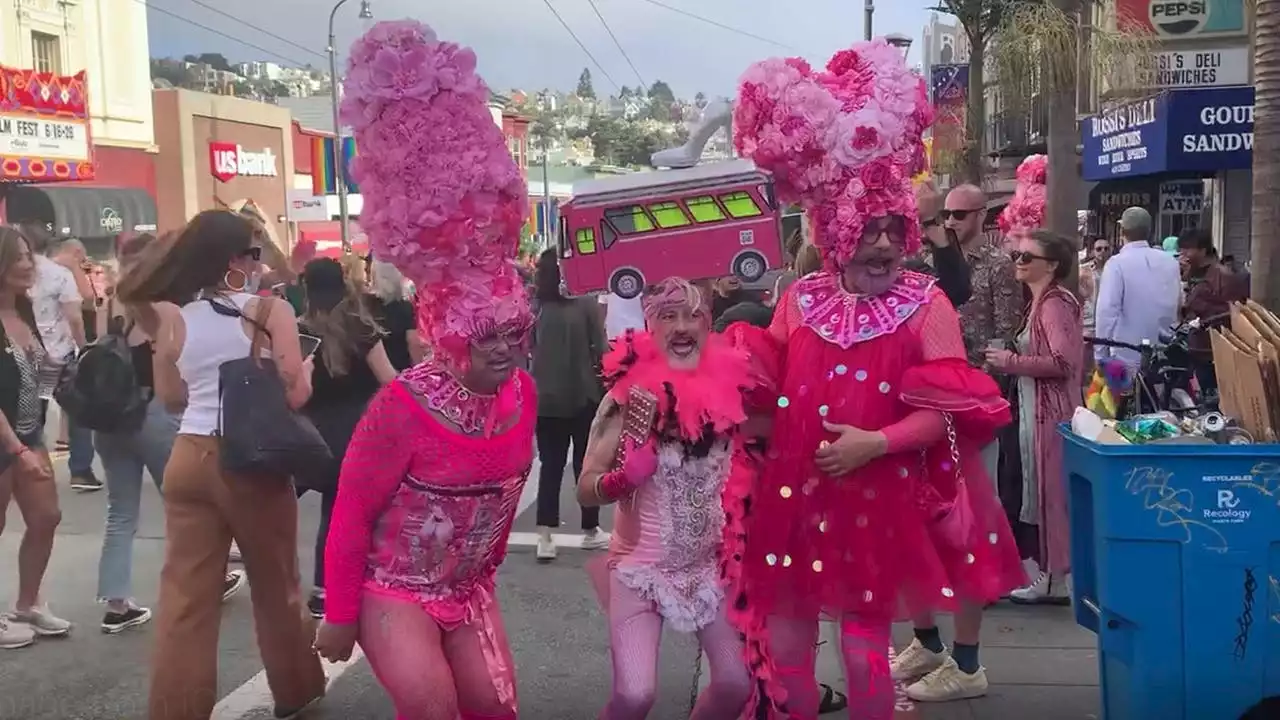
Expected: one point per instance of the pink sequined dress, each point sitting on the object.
(921, 525)
(419, 529)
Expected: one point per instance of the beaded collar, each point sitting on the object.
(471, 412)
(845, 319)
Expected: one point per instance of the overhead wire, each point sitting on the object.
(718, 24)
(587, 52)
(268, 33)
(618, 44)
(220, 33)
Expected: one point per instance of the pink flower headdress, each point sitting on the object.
(1027, 208)
(843, 142)
(443, 200)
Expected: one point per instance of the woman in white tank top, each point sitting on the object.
(190, 295)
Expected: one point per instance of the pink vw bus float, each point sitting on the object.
(622, 233)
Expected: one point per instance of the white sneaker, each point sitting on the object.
(546, 551)
(1046, 590)
(916, 661)
(42, 622)
(948, 683)
(14, 635)
(595, 539)
(234, 556)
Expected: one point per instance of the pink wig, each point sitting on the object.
(443, 200)
(1026, 210)
(843, 142)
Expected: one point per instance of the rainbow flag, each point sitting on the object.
(323, 173)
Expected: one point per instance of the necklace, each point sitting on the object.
(471, 412)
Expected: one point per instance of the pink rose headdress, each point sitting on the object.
(1026, 211)
(443, 200)
(844, 142)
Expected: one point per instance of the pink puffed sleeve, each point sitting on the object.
(375, 464)
(1059, 319)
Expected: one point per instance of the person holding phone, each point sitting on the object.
(351, 364)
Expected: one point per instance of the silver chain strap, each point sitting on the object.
(955, 449)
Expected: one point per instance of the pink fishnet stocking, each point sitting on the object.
(730, 687)
(864, 643)
(794, 645)
(430, 673)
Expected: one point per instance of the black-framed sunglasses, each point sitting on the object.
(1022, 257)
(960, 215)
(893, 227)
(254, 253)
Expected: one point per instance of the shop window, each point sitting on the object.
(740, 205)
(668, 215)
(704, 209)
(586, 241)
(46, 50)
(629, 220)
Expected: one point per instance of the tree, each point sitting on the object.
(624, 92)
(1266, 154)
(661, 100)
(586, 90)
(700, 100)
(1039, 50)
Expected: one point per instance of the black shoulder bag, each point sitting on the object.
(260, 434)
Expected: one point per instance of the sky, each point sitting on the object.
(521, 44)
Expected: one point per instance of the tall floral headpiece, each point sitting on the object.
(1026, 210)
(843, 142)
(443, 200)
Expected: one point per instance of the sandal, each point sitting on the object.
(832, 700)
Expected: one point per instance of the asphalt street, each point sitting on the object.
(556, 629)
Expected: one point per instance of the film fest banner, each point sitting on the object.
(44, 127)
(949, 90)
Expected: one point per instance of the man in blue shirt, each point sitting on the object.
(1139, 293)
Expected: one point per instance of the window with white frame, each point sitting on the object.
(46, 50)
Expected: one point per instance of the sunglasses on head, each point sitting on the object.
(1022, 257)
(959, 214)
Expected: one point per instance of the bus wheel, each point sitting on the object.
(750, 266)
(626, 284)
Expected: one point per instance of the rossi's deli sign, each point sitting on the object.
(228, 160)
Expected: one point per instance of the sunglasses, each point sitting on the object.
(254, 253)
(959, 214)
(512, 337)
(1024, 258)
(894, 227)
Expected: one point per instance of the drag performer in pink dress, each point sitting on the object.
(663, 446)
(434, 472)
(872, 499)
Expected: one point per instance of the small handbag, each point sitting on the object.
(260, 434)
(951, 520)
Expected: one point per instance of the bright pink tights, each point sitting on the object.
(635, 632)
(864, 643)
(432, 673)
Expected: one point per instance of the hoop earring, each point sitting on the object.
(244, 280)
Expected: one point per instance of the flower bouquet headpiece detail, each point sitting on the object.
(843, 142)
(1026, 211)
(443, 200)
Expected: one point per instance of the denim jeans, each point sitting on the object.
(80, 457)
(124, 458)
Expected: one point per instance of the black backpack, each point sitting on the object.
(99, 388)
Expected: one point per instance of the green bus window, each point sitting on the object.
(586, 241)
(629, 220)
(704, 209)
(740, 205)
(669, 215)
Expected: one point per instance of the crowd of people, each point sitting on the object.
(874, 440)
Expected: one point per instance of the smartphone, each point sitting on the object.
(952, 238)
(310, 343)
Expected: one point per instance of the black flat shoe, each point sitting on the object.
(832, 700)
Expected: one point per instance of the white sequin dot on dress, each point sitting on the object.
(842, 369)
(860, 376)
(783, 402)
(823, 410)
(884, 387)
(948, 592)
(993, 538)
(903, 472)
(786, 561)
(785, 491)
(771, 559)
(817, 566)
(970, 558)
(867, 596)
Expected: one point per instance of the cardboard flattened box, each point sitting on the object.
(1246, 357)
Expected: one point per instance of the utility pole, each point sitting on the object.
(548, 227)
(871, 12)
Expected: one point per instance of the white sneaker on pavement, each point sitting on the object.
(14, 635)
(916, 661)
(42, 622)
(546, 550)
(1046, 590)
(595, 539)
(949, 683)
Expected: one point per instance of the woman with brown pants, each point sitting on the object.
(195, 297)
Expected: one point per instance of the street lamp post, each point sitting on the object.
(871, 12)
(339, 171)
(900, 41)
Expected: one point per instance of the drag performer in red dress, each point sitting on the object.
(872, 494)
(431, 480)
(665, 441)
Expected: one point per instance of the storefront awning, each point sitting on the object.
(83, 212)
(1199, 131)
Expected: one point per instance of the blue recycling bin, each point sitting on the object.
(1175, 553)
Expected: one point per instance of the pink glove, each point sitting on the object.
(638, 465)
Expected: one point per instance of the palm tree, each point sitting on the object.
(1266, 147)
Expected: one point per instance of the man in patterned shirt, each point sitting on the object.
(995, 304)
